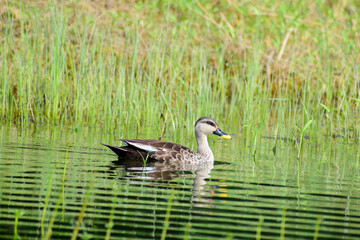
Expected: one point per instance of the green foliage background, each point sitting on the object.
(261, 66)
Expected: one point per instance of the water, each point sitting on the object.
(235, 198)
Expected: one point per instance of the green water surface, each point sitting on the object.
(58, 183)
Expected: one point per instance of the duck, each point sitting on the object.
(168, 152)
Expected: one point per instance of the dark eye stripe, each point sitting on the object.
(210, 123)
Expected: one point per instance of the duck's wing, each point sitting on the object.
(159, 150)
(145, 145)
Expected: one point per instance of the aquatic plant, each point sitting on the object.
(162, 65)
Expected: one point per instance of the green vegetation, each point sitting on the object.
(163, 64)
(318, 222)
(48, 192)
(284, 69)
(167, 216)
(18, 213)
(258, 230)
(283, 222)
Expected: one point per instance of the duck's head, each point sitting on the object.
(206, 126)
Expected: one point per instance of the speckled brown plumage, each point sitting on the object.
(167, 151)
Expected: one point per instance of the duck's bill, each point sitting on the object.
(222, 134)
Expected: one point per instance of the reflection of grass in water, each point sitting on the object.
(283, 222)
(111, 224)
(63, 179)
(65, 162)
(53, 218)
(82, 213)
(270, 225)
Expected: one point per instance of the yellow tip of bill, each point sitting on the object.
(226, 136)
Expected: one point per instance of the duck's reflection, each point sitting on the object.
(154, 170)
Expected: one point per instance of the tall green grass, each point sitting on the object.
(271, 67)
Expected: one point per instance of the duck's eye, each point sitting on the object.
(210, 123)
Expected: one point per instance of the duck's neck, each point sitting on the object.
(203, 146)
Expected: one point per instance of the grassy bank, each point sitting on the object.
(263, 68)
